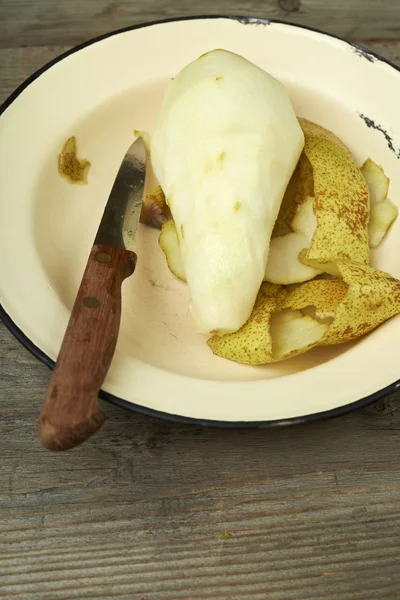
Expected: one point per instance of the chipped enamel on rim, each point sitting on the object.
(161, 365)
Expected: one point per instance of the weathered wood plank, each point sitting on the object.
(140, 510)
(44, 22)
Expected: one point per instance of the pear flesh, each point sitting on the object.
(224, 149)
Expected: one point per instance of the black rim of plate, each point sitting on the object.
(29, 345)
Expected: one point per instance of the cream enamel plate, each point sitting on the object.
(102, 91)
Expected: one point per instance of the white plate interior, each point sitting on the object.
(101, 94)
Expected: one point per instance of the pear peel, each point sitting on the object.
(283, 264)
(271, 334)
(341, 199)
(252, 344)
(169, 244)
(300, 187)
(294, 333)
(382, 215)
(304, 220)
(282, 326)
(378, 183)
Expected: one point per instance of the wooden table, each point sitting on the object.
(150, 510)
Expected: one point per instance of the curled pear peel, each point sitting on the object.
(341, 199)
(155, 211)
(270, 335)
(294, 333)
(319, 298)
(169, 244)
(282, 326)
(283, 264)
(154, 208)
(300, 187)
(304, 220)
(382, 211)
(252, 344)
(382, 215)
(372, 298)
(378, 183)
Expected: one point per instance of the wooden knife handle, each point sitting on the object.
(71, 413)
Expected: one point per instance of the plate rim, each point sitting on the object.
(23, 339)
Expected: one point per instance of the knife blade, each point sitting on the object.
(70, 412)
(120, 220)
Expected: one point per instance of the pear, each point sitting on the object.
(224, 149)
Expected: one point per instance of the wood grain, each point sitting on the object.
(148, 510)
(72, 21)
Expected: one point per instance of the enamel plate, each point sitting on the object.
(100, 92)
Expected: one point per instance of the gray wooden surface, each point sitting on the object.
(149, 510)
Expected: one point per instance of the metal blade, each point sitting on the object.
(121, 215)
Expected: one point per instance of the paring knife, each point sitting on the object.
(71, 413)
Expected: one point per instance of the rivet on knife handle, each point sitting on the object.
(71, 412)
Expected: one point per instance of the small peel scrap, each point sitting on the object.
(155, 211)
(72, 168)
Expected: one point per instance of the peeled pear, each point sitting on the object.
(283, 264)
(225, 146)
(377, 181)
